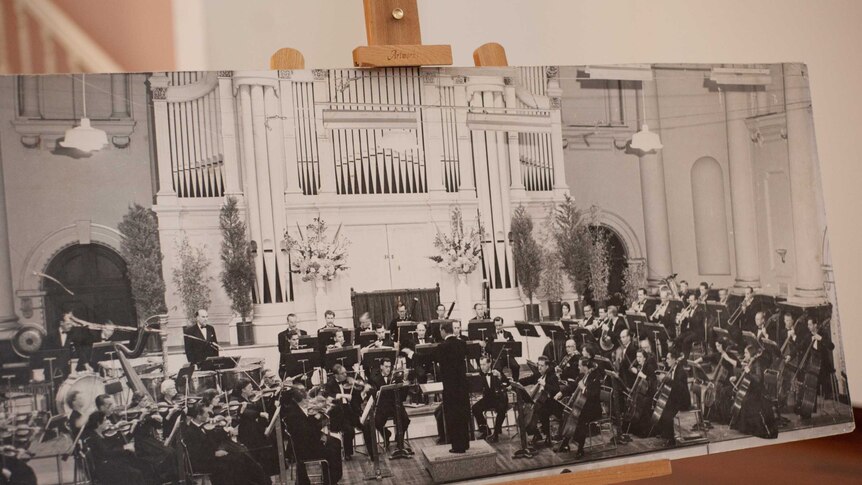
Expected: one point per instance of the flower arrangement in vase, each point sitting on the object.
(459, 250)
(314, 256)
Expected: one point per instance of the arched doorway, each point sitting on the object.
(98, 278)
(618, 262)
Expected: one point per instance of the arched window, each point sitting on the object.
(710, 217)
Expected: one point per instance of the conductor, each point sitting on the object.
(199, 339)
(451, 355)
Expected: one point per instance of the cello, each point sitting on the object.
(638, 392)
(741, 388)
(811, 363)
(575, 406)
(661, 398)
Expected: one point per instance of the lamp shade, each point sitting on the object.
(84, 137)
(646, 141)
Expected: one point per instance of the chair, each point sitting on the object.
(198, 478)
(317, 471)
(492, 415)
(605, 423)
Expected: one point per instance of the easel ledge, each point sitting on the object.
(394, 40)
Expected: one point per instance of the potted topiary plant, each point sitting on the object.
(237, 276)
(192, 279)
(528, 257)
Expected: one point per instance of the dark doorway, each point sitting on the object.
(618, 263)
(97, 276)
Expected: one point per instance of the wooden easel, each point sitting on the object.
(394, 40)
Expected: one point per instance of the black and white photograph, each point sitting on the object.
(411, 275)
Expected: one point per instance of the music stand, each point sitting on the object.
(480, 329)
(218, 363)
(658, 336)
(511, 349)
(434, 328)
(719, 311)
(405, 331)
(346, 356)
(183, 377)
(721, 333)
(301, 362)
(568, 324)
(396, 385)
(474, 383)
(557, 333)
(636, 320)
(474, 350)
(371, 359)
(749, 338)
(308, 341)
(527, 329)
(581, 336)
(366, 338)
(771, 347)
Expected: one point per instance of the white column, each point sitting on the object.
(432, 129)
(8, 318)
(275, 148)
(742, 198)
(250, 182)
(807, 223)
(288, 111)
(264, 195)
(517, 183)
(656, 225)
(466, 185)
(324, 136)
(159, 87)
(119, 96)
(228, 122)
(555, 93)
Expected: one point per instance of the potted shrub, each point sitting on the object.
(528, 257)
(191, 277)
(600, 265)
(237, 276)
(573, 241)
(142, 252)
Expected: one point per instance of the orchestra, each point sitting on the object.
(639, 366)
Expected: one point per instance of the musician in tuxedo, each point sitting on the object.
(400, 316)
(343, 417)
(663, 313)
(441, 311)
(199, 339)
(383, 338)
(616, 324)
(365, 323)
(388, 404)
(420, 370)
(639, 305)
(545, 406)
(293, 325)
(679, 398)
(494, 397)
(309, 442)
(451, 357)
(79, 339)
(625, 357)
(703, 292)
(338, 341)
(329, 320)
(501, 335)
(818, 337)
(684, 291)
(745, 320)
(644, 367)
(480, 311)
(287, 343)
(149, 444)
(691, 325)
(567, 370)
(723, 295)
(756, 415)
(113, 461)
(590, 386)
(252, 423)
(172, 403)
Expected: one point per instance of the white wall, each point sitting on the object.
(821, 34)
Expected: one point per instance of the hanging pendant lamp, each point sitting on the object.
(84, 137)
(645, 141)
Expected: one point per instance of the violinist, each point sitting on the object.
(270, 388)
(494, 398)
(171, 406)
(589, 386)
(113, 462)
(755, 416)
(343, 418)
(206, 454)
(642, 374)
(105, 404)
(252, 423)
(305, 432)
(568, 368)
(546, 407)
(679, 398)
(149, 447)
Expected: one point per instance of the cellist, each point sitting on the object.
(546, 407)
(755, 415)
(644, 381)
(679, 397)
(818, 338)
(589, 386)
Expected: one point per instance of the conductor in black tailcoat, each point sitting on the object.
(199, 339)
(451, 355)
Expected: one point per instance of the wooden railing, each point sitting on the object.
(46, 40)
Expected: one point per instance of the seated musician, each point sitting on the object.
(589, 321)
(639, 305)
(820, 340)
(589, 385)
(625, 357)
(567, 370)
(419, 337)
(344, 418)
(338, 342)
(642, 370)
(307, 439)
(691, 325)
(289, 346)
(723, 294)
(114, 460)
(616, 324)
(441, 311)
(703, 292)
(762, 331)
(210, 399)
(679, 397)
(684, 291)
(251, 425)
(105, 403)
(480, 311)
(329, 320)
(546, 406)
(501, 335)
(383, 340)
(365, 324)
(208, 454)
(15, 469)
(199, 339)
(663, 314)
(293, 324)
(747, 312)
(494, 398)
(725, 356)
(401, 316)
(756, 415)
(149, 445)
(75, 402)
(566, 311)
(387, 406)
(171, 404)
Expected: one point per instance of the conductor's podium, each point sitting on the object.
(480, 460)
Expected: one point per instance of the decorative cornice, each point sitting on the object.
(285, 74)
(459, 79)
(224, 73)
(509, 81)
(556, 102)
(320, 74)
(552, 72)
(160, 93)
(429, 77)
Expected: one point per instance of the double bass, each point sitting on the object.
(575, 406)
(661, 398)
(810, 363)
(637, 394)
(741, 388)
